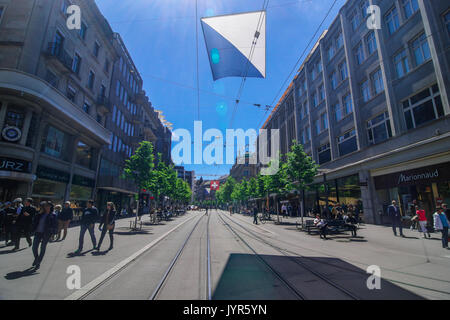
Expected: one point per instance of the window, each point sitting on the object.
(392, 21)
(410, 7)
(347, 103)
(307, 133)
(343, 71)
(83, 30)
(330, 53)
(421, 50)
(347, 143)
(359, 54)
(377, 81)
(321, 93)
(365, 91)
(401, 64)
(379, 128)
(84, 155)
(319, 67)
(91, 80)
(371, 43)
(355, 21)
(96, 49)
(64, 6)
(300, 112)
(1, 11)
(447, 21)
(54, 143)
(86, 107)
(423, 107)
(337, 112)
(14, 119)
(333, 80)
(102, 91)
(364, 6)
(324, 121)
(106, 67)
(117, 88)
(114, 113)
(71, 93)
(339, 41)
(317, 126)
(324, 153)
(76, 63)
(314, 100)
(313, 73)
(52, 79)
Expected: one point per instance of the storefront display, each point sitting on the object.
(427, 186)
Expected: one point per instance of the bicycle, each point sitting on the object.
(263, 218)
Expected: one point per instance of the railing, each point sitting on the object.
(56, 50)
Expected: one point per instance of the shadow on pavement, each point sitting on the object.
(11, 251)
(246, 277)
(20, 274)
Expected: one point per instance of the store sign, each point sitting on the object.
(83, 181)
(52, 174)
(425, 175)
(8, 164)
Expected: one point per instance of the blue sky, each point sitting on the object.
(160, 35)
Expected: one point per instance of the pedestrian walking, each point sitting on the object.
(25, 222)
(446, 211)
(422, 218)
(87, 223)
(206, 210)
(64, 218)
(8, 219)
(15, 227)
(44, 226)
(107, 224)
(441, 223)
(255, 215)
(394, 213)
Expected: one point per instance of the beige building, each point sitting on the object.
(53, 84)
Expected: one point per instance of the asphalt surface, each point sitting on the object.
(270, 261)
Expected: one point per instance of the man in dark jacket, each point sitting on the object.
(393, 211)
(44, 226)
(88, 219)
(25, 222)
(64, 218)
(255, 215)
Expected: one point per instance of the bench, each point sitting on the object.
(338, 226)
(309, 226)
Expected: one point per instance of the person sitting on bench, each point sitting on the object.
(322, 225)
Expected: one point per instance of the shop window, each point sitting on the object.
(379, 128)
(54, 143)
(347, 143)
(48, 190)
(80, 193)
(423, 107)
(84, 155)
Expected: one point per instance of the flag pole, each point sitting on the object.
(196, 39)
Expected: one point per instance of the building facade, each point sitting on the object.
(371, 106)
(52, 80)
(244, 169)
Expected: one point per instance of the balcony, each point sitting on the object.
(103, 104)
(59, 57)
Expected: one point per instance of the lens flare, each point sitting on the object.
(215, 56)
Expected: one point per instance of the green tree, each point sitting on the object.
(300, 169)
(139, 168)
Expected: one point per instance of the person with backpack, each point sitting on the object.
(441, 224)
(44, 226)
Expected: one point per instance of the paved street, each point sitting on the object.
(270, 261)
